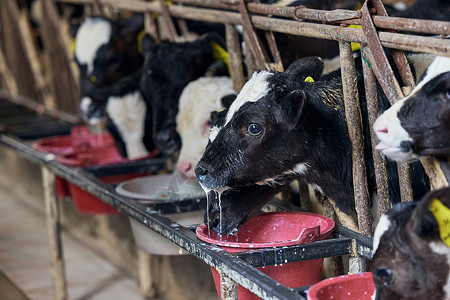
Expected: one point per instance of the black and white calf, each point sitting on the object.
(419, 124)
(198, 99)
(168, 68)
(110, 71)
(281, 128)
(410, 260)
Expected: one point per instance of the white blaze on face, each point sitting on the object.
(92, 34)
(197, 100)
(256, 88)
(383, 225)
(128, 115)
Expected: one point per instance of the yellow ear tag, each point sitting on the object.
(355, 46)
(442, 215)
(72, 46)
(139, 40)
(309, 79)
(219, 53)
(223, 109)
(93, 79)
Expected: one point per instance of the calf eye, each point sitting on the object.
(385, 275)
(254, 129)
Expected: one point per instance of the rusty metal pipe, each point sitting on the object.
(354, 125)
(378, 158)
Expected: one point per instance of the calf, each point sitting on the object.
(168, 68)
(198, 99)
(419, 124)
(410, 260)
(110, 70)
(281, 128)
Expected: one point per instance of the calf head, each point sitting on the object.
(251, 142)
(420, 123)
(106, 51)
(250, 145)
(198, 99)
(168, 68)
(410, 260)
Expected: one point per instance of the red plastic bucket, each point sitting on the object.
(79, 139)
(85, 202)
(275, 230)
(354, 286)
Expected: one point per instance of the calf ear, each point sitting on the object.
(291, 109)
(147, 43)
(227, 100)
(425, 218)
(307, 66)
(134, 23)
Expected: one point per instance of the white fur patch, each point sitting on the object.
(84, 104)
(382, 227)
(197, 100)
(441, 248)
(256, 88)
(128, 114)
(92, 34)
(300, 168)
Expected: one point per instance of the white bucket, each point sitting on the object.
(162, 189)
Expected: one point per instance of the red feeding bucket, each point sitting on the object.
(354, 286)
(275, 230)
(79, 139)
(85, 202)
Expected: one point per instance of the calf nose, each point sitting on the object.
(184, 167)
(201, 171)
(380, 127)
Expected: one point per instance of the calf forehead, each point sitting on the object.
(256, 88)
(92, 34)
(438, 66)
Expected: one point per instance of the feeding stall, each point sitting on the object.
(52, 94)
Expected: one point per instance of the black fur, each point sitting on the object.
(426, 117)
(168, 68)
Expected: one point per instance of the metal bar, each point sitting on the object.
(400, 60)
(354, 125)
(378, 59)
(378, 159)
(53, 217)
(230, 265)
(280, 255)
(168, 21)
(255, 45)
(234, 51)
(228, 288)
(413, 43)
(393, 23)
(357, 264)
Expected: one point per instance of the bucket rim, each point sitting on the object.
(325, 231)
(317, 287)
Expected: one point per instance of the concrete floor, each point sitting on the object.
(25, 261)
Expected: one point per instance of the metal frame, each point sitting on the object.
(239, 268)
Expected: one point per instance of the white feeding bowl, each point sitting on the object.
(167, 188)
